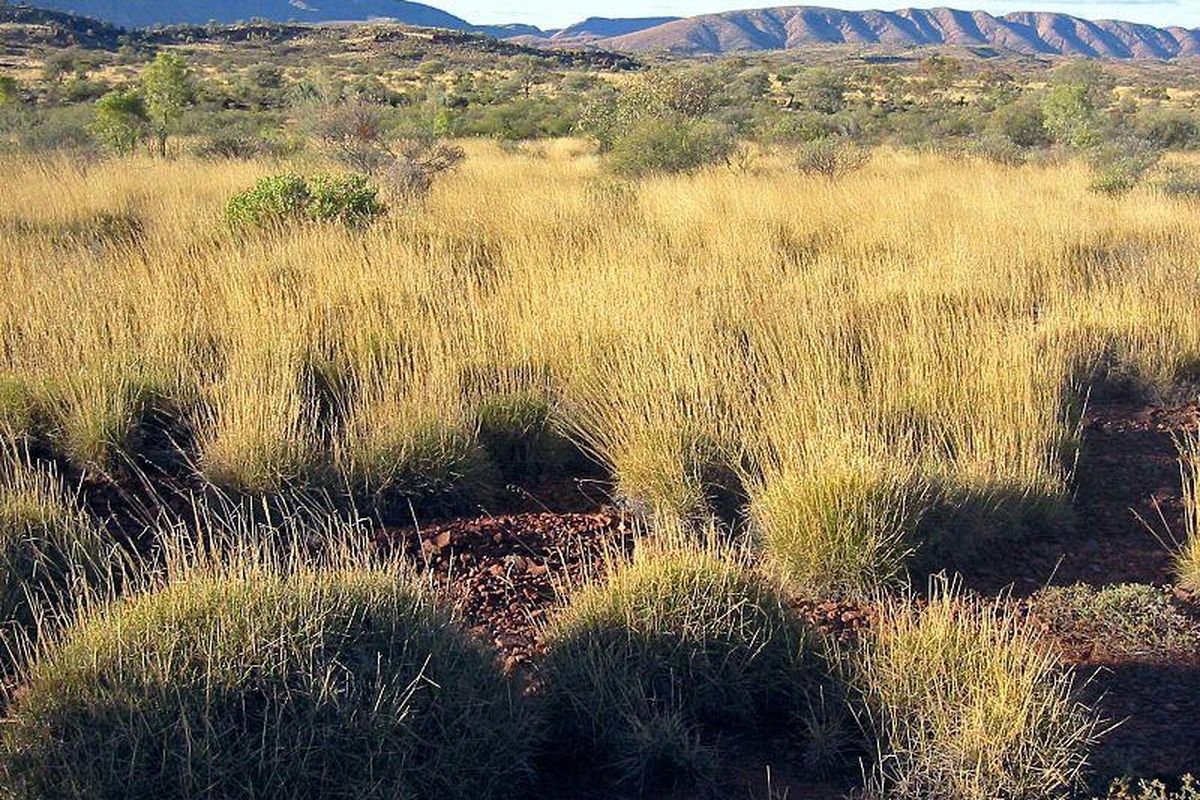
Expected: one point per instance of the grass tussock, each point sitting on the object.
(645, 672)
(240, 679)
(52, 554)
(1187, 557)
(969, 703)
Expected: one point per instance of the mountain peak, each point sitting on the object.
(773, 28)
(787, 27)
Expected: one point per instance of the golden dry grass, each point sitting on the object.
(857, 357)
(1187, 556)
(971, 703)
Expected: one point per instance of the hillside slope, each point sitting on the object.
(145, 13)
(798, 26)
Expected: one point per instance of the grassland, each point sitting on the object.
(789, 342)
(863, 365)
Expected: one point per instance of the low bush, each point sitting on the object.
(1189, 789)
(831, 158)
(1181, 183)
(1120, 167)
(286, 198)
(642, 671)
(417, 162)
(1169, 128)
(999, 151)
(344, 683)
(229, 145)
(1125, 620)
(668, 145)
(968, 703)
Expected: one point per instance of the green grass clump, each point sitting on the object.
(50, 551)
(644, 671)
(433, 465)
(280, 199)
(342, 683)
(517, 431)
(838, 533)
(16, 408)
(968, 703)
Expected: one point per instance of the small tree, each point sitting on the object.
(167, 87)
(1071, 116)
(529, 74)
(10, 91)
(121, 120)
(417, 161)
(354, 135)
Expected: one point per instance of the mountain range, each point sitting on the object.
(787, 27)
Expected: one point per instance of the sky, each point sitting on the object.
(558, 13)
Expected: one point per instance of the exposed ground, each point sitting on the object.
(505, 572)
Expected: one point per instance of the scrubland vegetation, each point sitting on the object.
(818, 354)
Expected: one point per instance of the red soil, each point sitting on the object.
(505, 575)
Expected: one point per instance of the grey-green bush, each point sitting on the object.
(831, 158)
(320, 684)
(669, 145)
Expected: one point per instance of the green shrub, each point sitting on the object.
(1071, 115)
(1169, 128)
(644, 670)
(121, 121)
(344, 683)
(1023, 123)
(668, 146)
(1121, 166)
(286, 198)
(968, 703)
